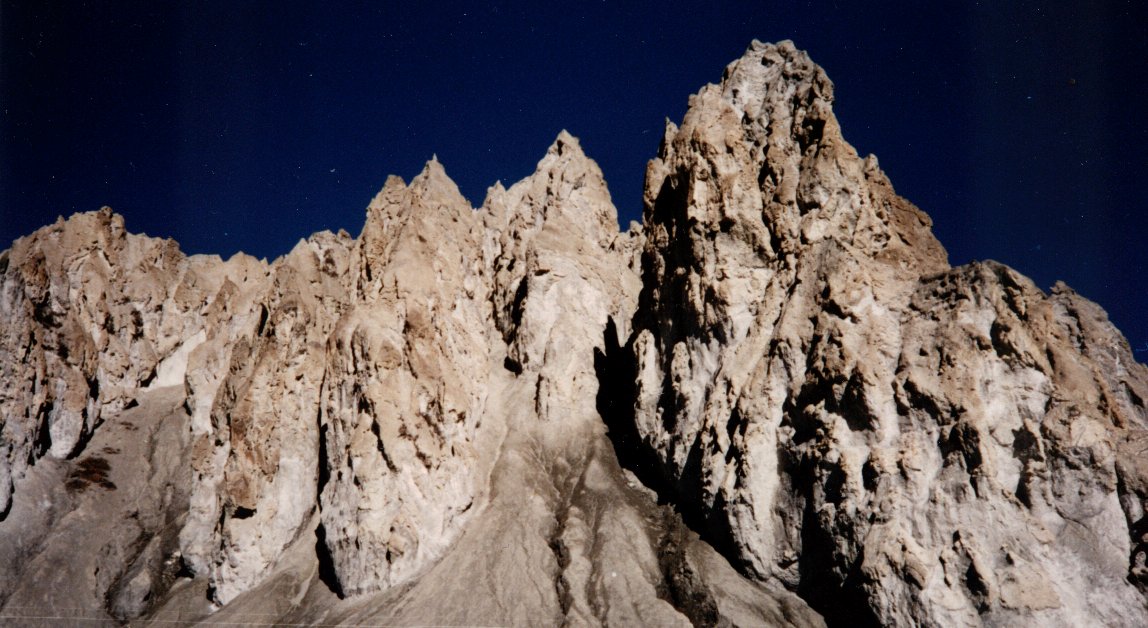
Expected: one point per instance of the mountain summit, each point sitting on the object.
(773, 402)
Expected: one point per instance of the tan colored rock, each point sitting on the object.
(405, 389)
(450, 419)
(559, 272)
(266, 420)
(896, 440)
(232, 319)
(90, 312)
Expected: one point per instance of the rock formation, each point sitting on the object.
(774, 402)
(890, 437)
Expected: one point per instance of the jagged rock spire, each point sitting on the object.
(843, 411)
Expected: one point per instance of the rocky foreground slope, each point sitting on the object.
(772, 403)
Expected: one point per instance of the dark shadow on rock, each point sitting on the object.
(327, 573)
(841, 602)
(681, 584)
(617, 372)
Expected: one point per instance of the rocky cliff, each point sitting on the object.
(774, 402)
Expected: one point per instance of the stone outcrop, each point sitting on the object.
(406, 386)
(256, 453)
(92, 314)
(774, 402)
(892, 438)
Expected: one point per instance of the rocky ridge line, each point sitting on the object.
(520, 409)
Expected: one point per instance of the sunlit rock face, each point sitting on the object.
(407, 368)
(256, 448)
(773, 402)
(893, 438)
(91, 315)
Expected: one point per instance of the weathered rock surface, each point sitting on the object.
(406, 384)
(894, 439)
(256, 454)
(773, 403)
(92, 315)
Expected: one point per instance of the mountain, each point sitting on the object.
(773, 402)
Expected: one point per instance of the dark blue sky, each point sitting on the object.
(245, 126)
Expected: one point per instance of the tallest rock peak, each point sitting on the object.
(759, 216)
(891, 437)
(762, 154)
(767, 68)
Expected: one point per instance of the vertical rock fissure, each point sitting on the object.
(840, 602)
(567, 493)
(327, 573)
(562, 559)
(616, 370)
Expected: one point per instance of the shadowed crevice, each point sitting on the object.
(681, 584)
(327, 574)
(617, 369)
(840, 601)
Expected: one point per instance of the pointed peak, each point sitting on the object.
(565, 143)
(433, 175)
(769, 67)
(494, 194)
(668, 135)
(563, 160)
(494, 205)
(565, 155)
(772, 86)
(434, 182)
(433, 167)
(496, 190)
(390, 194)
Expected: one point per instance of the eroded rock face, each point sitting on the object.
(405, 386)
(893, 438)
(560, 270)
(259, 462)
(92, 314)
(449, 419)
